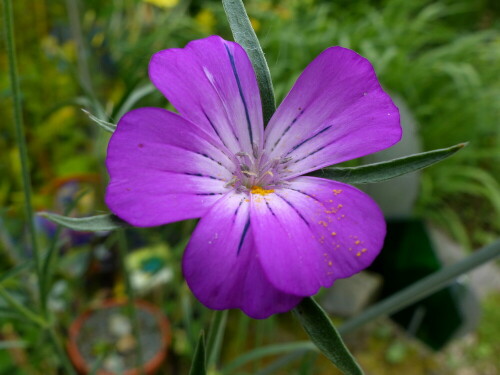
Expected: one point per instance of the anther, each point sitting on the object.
(248, 173)
(231, 182)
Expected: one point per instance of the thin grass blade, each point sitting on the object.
(198, 367)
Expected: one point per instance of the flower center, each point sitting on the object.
(256, 173)
(260, 190)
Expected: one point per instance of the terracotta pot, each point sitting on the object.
(151, 364)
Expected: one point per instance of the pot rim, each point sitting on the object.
(149, 367)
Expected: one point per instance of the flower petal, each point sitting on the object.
(221, 267)
(314, 232)
(336, 111)
(212, 83)
(163, 169)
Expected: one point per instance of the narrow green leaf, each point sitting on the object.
(21, 309)
(16, 270)
(51, 256)
(244, 34)
(133, 98)
(386, 170)
(107, 126)
(215, 336)
(96, 223)
(198, 367)
(423, 288)
(265, 351)
(325, 336)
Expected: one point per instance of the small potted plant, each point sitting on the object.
(102, 340)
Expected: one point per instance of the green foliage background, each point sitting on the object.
(441, 57)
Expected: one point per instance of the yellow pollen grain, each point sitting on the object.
(337, 191)
(330, 263)
(363, 250)
(321, 222)
(260, 190)
(357, 242)
(334, 234)
(340, 206)
(358, 254)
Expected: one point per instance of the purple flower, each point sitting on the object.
(268, 236)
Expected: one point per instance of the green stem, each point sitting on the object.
(215, 336)
(423, 288)
(244, 34)
(132, 310)
(20, 133)
(28, 314)
(68, 367)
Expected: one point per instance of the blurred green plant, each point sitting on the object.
(441, 56)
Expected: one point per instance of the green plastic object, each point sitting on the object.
(409, 255)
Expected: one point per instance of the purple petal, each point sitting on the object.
(336, 111)
(221, 266)
(163, 169)
(314, 232)
(212, 83)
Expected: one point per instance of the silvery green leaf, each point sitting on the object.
(108, 126)
(325, 336)
(383, 171)
(96, 223)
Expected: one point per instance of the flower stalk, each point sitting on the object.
(20, 132)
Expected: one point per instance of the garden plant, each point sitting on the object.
(190, 220)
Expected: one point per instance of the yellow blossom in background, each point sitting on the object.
(97, 40)
(163, 3)
(283, 12)
(206, 20)
(255, 23)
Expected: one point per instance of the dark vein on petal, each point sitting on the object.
(308, 139)
(214, 128)
(210, 193)
(306, 194)
(286, 130)
(309, 154)
(270, 209)
(243, 235)
(295, 209)
(238, 208)
(203, 175)
(235, 72)
(214, 160)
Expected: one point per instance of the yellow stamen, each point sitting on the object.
(260, 190)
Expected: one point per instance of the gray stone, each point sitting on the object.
(348, 297)
(397, 196)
